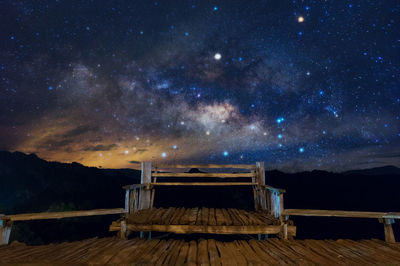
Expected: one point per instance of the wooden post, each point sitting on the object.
(5, 231)
(123, 229)
(131, 200)
(260, 174)
(389, 236)
(281, 208)
(127, 201)
(145, 194)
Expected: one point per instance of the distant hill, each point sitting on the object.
(30, 184)
(385, 170)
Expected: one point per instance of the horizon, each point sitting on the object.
(137, 166)
(299, 85)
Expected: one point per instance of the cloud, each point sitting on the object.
(100, 147)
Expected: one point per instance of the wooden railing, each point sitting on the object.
(6, 221)
(387, 218)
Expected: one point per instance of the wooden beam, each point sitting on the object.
(338, 213)
(204, 166)
(261, 173)
(127, 200)
(210, 229)
(204, 184)
(145, 195)
(388, 229)
(5, 230)
(59, 215)
(216, 175)
(135, 186)
(280, 190)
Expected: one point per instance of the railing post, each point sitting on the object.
(145, 194)
(127, 200)
(5, 231)
(389, 235)
(260, 173)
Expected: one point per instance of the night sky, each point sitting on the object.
(300, 85)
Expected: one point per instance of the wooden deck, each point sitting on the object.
(203, 220)
(203, 252)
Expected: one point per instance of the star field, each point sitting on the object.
(300, 85)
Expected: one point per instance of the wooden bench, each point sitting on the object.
(387, 218)
(6, 221)
(140, 197)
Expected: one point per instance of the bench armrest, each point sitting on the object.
(280, 190)
(136, 186)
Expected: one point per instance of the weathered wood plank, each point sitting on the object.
(145, 194)
(215, 229)
(192, 254)
(339, 213)
(202, 253)
(59, 215)
(203, 184)
(203, 166)
(215, 175)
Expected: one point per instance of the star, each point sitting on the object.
(217, 56)
(300, 19)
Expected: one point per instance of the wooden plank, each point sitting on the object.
(198, 218)
(185, 218)
(214, 229)
(174, 253)
(203, 166)
(219, 217)
(178, 215)
(202, 252)
(5, 231)
(192, 254)
(127, 200)
(193, 216)
(389, 236)
(212, 217)
(215, 175)
(145, 194)
(203, 184)
(233, 252)
(204, 216)
(213, 252)
(339, 213)
(183, 253)
(165, 256)
(59, 215)
(227, 218)
(235, 219)
(225, 258)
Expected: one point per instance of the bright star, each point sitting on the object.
(280, 136)
(301, 150)
(280, 120)
(164, 154)
(225, 153)
(217, 56)
(126, 152)
(207, 132)
(300, 19)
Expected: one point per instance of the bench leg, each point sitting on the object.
(5, 231)
(123, 232)
(389, 236)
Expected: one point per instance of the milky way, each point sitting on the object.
(300, 85)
